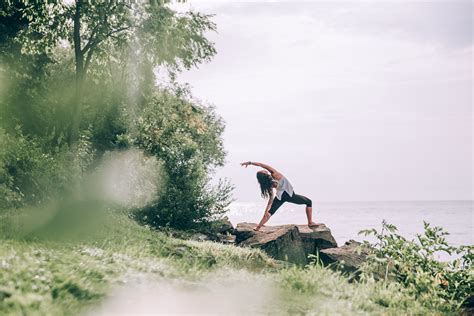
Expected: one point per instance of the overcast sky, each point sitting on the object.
(352, 101)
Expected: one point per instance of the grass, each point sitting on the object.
(39, 276)
(321, 291)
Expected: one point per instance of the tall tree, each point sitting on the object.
(97, 30)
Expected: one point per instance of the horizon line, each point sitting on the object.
(359, 201)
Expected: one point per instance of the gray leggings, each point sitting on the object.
(285, 197)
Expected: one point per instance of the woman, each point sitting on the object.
(271, 179)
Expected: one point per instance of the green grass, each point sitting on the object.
(324, 292)
(43, 277)
(59, 277)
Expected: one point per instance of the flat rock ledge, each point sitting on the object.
(292, 243)
(347, 257)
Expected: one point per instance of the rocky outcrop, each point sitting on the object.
(279, 242)
(292, 243)
(316, 238)
(346, 256)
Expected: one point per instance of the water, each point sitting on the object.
(346, 219)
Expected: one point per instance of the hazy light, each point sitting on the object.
(130, 178)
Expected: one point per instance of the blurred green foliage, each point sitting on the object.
(79, 80)
(33, 173)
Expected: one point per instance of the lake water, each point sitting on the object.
(346, 219)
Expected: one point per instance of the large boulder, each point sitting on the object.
(279, 242)
(291, 243)
(316, 238)
(346, 256)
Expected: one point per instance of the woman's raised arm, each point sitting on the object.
(273, 171)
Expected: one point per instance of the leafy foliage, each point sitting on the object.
(111, 27)
(81, 82)
(412, 263)
(87, 49)
(187, 138)
(33, 173)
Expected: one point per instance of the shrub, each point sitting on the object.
(186, 137)
(32, 172)
(412, 263)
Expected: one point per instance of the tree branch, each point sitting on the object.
(91, 39)
(95, 40)
(118, 30)
(88, 60)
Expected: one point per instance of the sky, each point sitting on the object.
(351, 101)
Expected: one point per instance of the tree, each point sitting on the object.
(187, 137)
(106, 34)
(85, 74)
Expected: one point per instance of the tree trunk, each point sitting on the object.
(79, 60)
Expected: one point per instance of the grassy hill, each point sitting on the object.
(39, 276)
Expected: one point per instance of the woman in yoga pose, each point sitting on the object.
(270, 179)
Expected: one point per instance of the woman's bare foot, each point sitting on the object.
(313, 224)
(257, 229)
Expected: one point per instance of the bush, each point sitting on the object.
(412, 264)
(32, 172)
(186, 137)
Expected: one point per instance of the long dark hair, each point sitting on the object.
(265, 180)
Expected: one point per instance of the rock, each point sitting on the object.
(227, 239)
(199, 237)
(316, 238)
(346, 255)
(223, 226)
(292, 243)
(279, 242)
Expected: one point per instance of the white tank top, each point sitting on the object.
(283, 185)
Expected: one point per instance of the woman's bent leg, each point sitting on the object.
(301, 199)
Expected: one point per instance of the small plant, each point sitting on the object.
(315, 260)
(412, 263)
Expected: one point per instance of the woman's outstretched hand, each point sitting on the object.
(246, 164)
